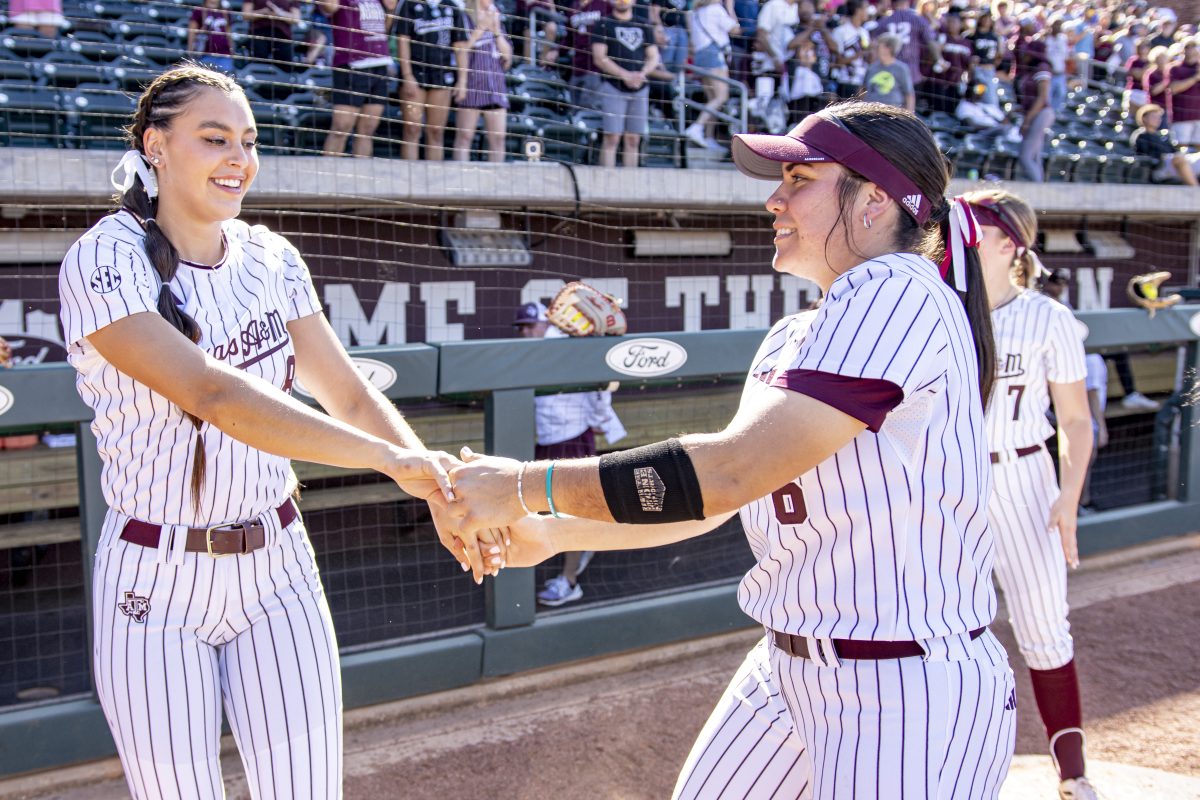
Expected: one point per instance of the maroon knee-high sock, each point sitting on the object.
(1057, 694)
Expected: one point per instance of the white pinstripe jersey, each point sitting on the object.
(1037, 341)
(242, 307)
(888, 538)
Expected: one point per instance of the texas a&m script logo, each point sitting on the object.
(134, 607)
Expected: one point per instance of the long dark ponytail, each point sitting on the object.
(911, 148)
(159, 104)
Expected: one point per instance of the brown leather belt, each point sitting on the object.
(854, 649)
(238, 538)
(1020, 452)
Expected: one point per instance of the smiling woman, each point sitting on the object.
(188, 329)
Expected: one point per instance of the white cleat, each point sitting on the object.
(1077, 789)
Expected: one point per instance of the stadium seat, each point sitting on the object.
(14, 70)
(1141, 171)
(276, 123)
(97, 118)
(132, 26)
(175, 14)
(532, 94)
(1115, 168)
(968, 159)
(30, 116)
(942, 121)
(267, 81)
(563, 140)
(95, 46)
(311, 128)
(662, 146)
(1087, 169)
(1060, 165)
(26, 43)
(65, 68)
(131, 75)
(155, 51)
(315, 79)
(115, 9)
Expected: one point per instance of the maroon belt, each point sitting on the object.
(1021, 452)
(238, 538)
(854, 649)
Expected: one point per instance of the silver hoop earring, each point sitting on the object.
(866, 221)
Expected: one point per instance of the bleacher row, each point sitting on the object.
(78, 90)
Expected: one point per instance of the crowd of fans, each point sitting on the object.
(1002, 67)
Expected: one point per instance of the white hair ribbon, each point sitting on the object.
(134, 164)
(1039, 268)
(965, 232)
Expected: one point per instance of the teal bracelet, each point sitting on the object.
(550, 490)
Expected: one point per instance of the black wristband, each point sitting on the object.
(652, 484)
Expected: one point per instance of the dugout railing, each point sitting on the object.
(513, 635)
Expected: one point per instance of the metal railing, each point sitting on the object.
(737, 124)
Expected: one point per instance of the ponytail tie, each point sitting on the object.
(965, 232)
(134, 165)
(1039, 268)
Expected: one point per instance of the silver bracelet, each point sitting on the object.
(521, 488)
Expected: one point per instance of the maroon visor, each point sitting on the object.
(991, 214)
(821, 139)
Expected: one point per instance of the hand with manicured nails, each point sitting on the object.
(485, 489)
(482, 553)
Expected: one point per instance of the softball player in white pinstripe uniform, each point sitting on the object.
(187, 328)
(858, 460)
(1039, 358)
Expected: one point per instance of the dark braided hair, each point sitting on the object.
(162, 101)
(911, 148)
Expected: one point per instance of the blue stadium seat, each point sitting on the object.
(1060, 166)
(314, 79)
(663, 146)
(155, 51)
(132, 75)
(97, 118)
(175, 14)
(133, 26)
(531, 94)
(95, 46)
(26, 43)
(115, 9)
(1115, 168)
(1141, 171)
(30, 116)
(66, 69)
(276, 123)
(942, 121)
(311, 127)
(563, 139)
(13, 70)
(1087, 169)
(267, 81)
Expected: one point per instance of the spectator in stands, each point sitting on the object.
(624, 51)
(812, 28)
(1007, 25)
(1057, 49)
(270, 23)
(946, 78)
(540, 45)
(743, 41)
(362, 66)
(1096, 384)
(1033, 91)
(1156, 80)
(1185, 96)
(1163, 33)
(850, 43)
(775, 29)
(888, 79)
(480, 90)
(806, 92)
(914, 36)
(208, 36)
(986, 53)
(585, 77)
(1151, 140)
(669, 19)
(45, 16)
(1135, 95)
(712, 22)
(317, 40)
(428, 32)
(567, 425)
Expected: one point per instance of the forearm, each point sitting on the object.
(376, 415)
(1074, 455)
(573, 535)
(404, 56)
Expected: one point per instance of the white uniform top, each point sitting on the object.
(564, 416)
(1037, 340)
(242, 306)
(888, 538)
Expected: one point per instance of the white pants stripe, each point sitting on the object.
(178, 634)
(1029, 566)
(748, 747)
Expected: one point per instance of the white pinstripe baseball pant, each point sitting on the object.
(942, 727)
(177, 633)
(1029, 564)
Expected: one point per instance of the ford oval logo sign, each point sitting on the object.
(377, 373)
(6, 400)
(646, 358)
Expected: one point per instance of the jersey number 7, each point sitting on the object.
(1019, 390)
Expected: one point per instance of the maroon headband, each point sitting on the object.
(822, 139)
(989, 213)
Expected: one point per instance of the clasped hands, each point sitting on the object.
(479, 518)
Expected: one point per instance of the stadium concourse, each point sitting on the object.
(619, 727)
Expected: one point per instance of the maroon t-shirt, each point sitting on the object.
(957, 52)
(1185, 104)
(213, 27)
(273, 26)
(582, 21)
(1133, 64)
(359, 31)
(1151, 78)
(1027, 86)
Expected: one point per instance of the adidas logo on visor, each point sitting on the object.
(913, 203)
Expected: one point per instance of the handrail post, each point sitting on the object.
(509, 429)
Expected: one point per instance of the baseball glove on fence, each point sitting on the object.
(582, 310)
(1143, 290)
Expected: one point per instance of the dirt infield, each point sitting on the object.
(620, 727)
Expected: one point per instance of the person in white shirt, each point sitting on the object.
(187, 328)
(711, 22)
(776, 26)
(566, 425)
(851, 43)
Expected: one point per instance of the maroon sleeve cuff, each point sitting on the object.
(868, 400)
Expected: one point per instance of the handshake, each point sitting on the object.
(478, 507)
